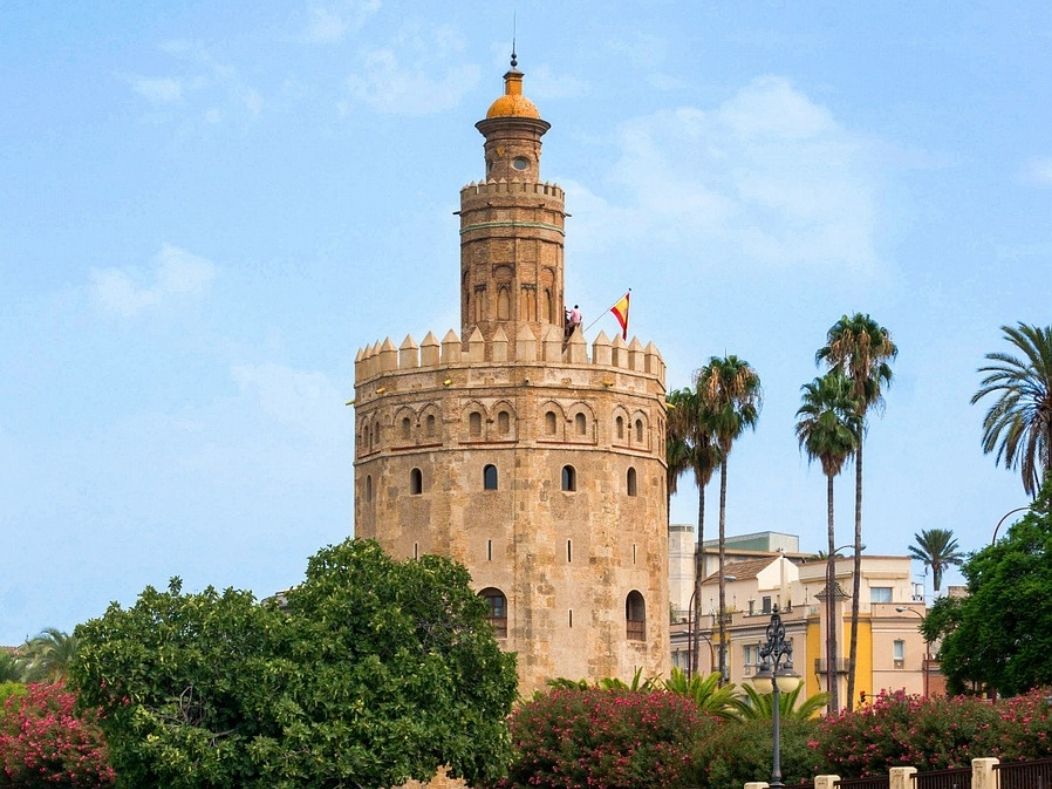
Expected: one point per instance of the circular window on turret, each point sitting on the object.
(520, 162)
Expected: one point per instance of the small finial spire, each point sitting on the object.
(514, 60)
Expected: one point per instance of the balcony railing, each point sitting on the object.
(636, 631)
(958, 778)
(1025, 775)
(841, 666)
(875, 782)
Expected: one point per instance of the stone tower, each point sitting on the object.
(537, 462)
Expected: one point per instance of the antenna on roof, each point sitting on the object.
(514, 60)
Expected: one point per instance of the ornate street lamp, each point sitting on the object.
(776, 675)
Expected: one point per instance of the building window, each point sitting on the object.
(407, 427)
(580, 424)
(639, 431)
(416, 482)
(416, 550)
(880, 594)
(766, 604)
(633, 553)
(750, 657)
(569, 551)
(376, 434)
(619, 424)
(569, 479)
(430, 425)
(635, 617)
(498, 610)
(503, 423)
(489, 550)
(570, 617)
(549, 423)
(489, 477)
(898, 653)
(475, 424)
(631, 482)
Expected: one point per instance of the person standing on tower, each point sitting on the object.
(575, 318)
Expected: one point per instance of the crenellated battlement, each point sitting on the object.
(383, 357)
(514, 187)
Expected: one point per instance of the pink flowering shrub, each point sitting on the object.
(44, 744)
(604, 738)
(934, 733)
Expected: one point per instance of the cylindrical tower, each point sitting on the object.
(511, 226)
(537, 462)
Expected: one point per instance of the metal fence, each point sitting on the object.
(875, 782)
(957, 778)
(1026, 775)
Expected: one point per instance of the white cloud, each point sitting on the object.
(1038, 171)
(306, 401)
(329, 23)
(386, 85)
(768, 177)
(175, 274)
(543, 84)
(164, 90)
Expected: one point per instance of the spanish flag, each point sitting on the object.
(620, 311)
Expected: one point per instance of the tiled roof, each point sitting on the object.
(742, 571)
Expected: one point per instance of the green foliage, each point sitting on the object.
(942, 618)
(1001, 635)
(598, 737)
(828, 424)
(1018, 423)
(47, 656)
(705, 692)
(760, 706)
(9, 689)
(741, 751)
(937, 549)
(12, 668)
(934, 733)
(374, 672)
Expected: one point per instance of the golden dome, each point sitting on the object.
(513, 104)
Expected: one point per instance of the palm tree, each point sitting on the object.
(760, 706)
(11, 668)
(706, 693)
(49, 654)
(1019, 424)
(937, 549)
(828, 427)
(695, 450)
(860, 348)
(730, 396)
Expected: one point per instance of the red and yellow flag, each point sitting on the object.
(620, 311)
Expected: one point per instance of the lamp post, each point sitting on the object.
(927, 644)
(776, 676)
(1004, 517)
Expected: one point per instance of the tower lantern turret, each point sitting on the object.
(511, 225)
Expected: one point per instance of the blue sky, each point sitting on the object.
(206, 209)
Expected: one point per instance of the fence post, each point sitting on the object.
(983, 775)
(757, 785)
(826, 781)
(899, 777)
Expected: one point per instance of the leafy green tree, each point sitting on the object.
(706, 693)
(371, 672)
(937, 549)
(1019, 423)
(48, 655)
(999, 637)
(691, 447)
(859, 348)
(828, 427)
(730, 396)
(11, 668)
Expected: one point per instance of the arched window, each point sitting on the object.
(489, 477)
(620, 425)
(635, 617)
(369, 488)
(639, 431)
(475, 424)
(569, 478)
(430, 425)
(376, 434)
(416, 482)
(549, 423)
(503, 304)
(631, 481)
(498, 610)
(580, 424)
(503, 423)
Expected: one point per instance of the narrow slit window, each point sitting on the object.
(416, 550)
(430, 425)
(503, 423)
(549, 423)
(489, 550)
(407, 427)
(619, 426)
(416, 482)
(570, 616)
(569, 550)
(631, 482)
(475, 424)
(633, 553)
(639, 431)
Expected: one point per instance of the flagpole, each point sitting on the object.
(603, 315)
